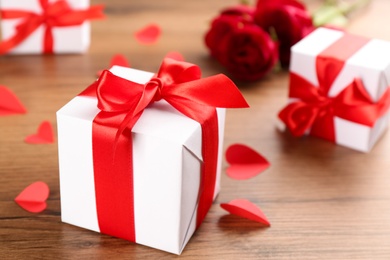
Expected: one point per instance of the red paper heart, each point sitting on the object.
(149, 34)
(117, 60)
(244, 162)
(33, 197)
(44, 134)
(10, 103)
(246, 209)
(175, 55)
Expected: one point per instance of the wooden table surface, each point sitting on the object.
(324, 201)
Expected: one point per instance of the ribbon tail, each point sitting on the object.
(127, 123)
(48, 41)
(21, 34)
(7, 45)
(323, 127)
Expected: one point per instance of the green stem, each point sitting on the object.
(331, 2)
(336, 12)
(347, 9)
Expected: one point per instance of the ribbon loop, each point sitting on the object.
(116, 94)
(172, 72)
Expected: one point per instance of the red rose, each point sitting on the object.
(244, 48)
(288, 18)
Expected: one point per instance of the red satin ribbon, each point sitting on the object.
(57, 14)
(315, 110)
(121, 103)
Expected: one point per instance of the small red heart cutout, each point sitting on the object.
(246, 209)
(33, 197)
(117, 60)
(175, 56)
(10, 103)
(245, 162)
(44, 134)
(148, 34)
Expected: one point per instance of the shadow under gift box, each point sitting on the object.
(68, 39)
(167, 159)
(370, 63)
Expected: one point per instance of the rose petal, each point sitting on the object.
(244, 162)
(149, 34)
(10, 103)
(246, 209)
(119, 60)
(44, 134)
(33, 197)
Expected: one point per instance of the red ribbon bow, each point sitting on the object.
(178, 83)
(121, 103)
(56, 14)
(315, 110)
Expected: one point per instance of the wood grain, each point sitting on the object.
(324, 201)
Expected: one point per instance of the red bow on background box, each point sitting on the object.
(54, 14)
(121, 103)
(315, 110)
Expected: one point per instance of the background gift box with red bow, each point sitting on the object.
(339, 88)
(140, 153)
(46, 26)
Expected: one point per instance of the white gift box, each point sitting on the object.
(70, 39)
(370, 63)
(166, 145)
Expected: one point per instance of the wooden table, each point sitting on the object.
(324, 201)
